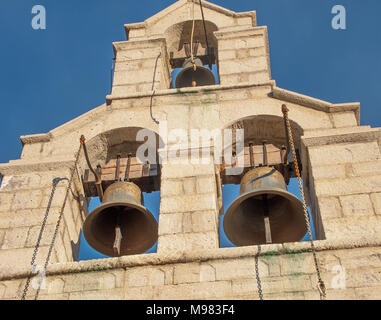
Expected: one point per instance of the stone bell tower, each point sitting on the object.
(341, 171)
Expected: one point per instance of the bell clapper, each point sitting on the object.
(267, 219)
(118, 237)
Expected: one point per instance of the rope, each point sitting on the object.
(321, 285)
(206, 35)
(57, 225)
(192, 35)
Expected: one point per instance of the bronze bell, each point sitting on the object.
(121, 225)
(188, 77)
(265, 212)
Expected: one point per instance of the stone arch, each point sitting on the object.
(179, 33)
(108, 144)
(266, 127)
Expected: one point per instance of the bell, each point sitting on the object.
(265, 212)
(121, 225)
(188, 77)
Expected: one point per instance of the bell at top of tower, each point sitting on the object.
(223, 46)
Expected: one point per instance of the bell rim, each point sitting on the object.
(186, 69)
(243, 197)
(91, 216)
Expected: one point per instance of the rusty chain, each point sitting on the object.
(259, 284)
(321, 285)
(55, 182)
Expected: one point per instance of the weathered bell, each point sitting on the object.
(188, 77)
(265, 212)
(121, 225)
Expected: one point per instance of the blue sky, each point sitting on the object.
(51, 76)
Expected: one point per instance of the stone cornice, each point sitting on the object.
(36, 138)
(181, 257)
(16, 167)
(316, 104)
(160, 15)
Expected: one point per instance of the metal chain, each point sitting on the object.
(62, 210)
(259, 284)
(55, 182)
(321, 285)
(37, 246)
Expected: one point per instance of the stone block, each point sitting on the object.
(2, 235)
(206, 184)
(61, 296)
(376, 200)
(348, 186)
(354, 228)
(171, 187)
(90, 281)
(297, 264)
(226, 55)
(54, 286)
(170, 223)
(143, 277)
(181, 171)
(367, 168)
(27, 200)
(202, 290)
(15, 238)
(329, 208)
(344, 119)
(188, 242)
(344, 153)
(238, 269)
(360, 258)
(356, 205)
(6, 201)
(245, 287)
(189, 185)
(368, 293)
(113, 294)
(246, 65)
(204, 221)
(188, 203)
(193, 272)
(34, 233)
(365, 277)
(328, 172)
(12, 289)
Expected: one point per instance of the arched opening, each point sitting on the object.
(179, 42)
(264, 146)
(128, 165)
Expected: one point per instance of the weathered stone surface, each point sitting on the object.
(344, 119)
(15, 238)
(356, 205)
(341, 161)
(5, 201)
(187, 242)
(329, 207)
(27, 200)
(348, 186)
(188, 203)
(344, 153)
(376, 200)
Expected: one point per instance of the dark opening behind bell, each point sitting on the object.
(188, 77)
(122, 207)
(263, 193)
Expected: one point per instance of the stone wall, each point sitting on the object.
(341, 173)
(285, 271)
(24, 201)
